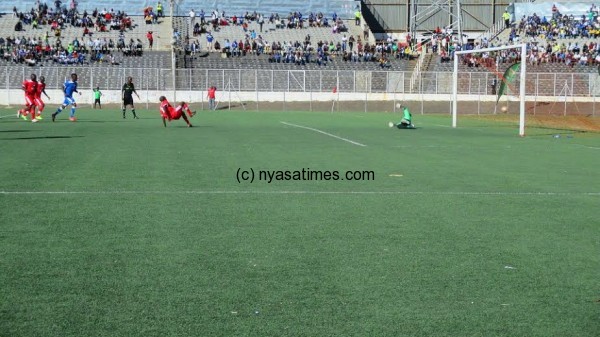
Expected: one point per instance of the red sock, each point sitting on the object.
(186, 108)
(32, 111)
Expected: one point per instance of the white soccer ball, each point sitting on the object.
(398, 105)
(391, 125)
(504, 109)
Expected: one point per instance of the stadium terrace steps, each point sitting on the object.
(429, 62)
(272, 34)
(215, 61)
(439, 66)
(503, 39)
(162, 32)
(344, 8)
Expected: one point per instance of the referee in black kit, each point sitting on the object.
(127, 95)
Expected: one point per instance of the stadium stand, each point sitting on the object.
(311, 41)
(103, 56)
(563, 52)
(94, 30)
(344, 8)
(561, 43)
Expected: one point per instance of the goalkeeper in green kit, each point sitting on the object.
(97, 95)
(406, 122)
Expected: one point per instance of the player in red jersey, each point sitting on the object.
(30, 88)
(41, 89)
(169, 113)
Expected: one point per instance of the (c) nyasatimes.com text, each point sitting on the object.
(250, 175)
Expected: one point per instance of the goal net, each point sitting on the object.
(491, 76)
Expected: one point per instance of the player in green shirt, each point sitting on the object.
(406, 122)
(97, 95)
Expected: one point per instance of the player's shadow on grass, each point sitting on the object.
(94, 121)
(233, 106)
(42, 137)
(196, 126)
(17, 130)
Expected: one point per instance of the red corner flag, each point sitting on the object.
(334, 90)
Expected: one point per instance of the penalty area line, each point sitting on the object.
(323, 132)
(463, 193)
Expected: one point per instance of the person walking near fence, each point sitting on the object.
(150, 38)
(212, 91)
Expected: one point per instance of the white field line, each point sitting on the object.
(460, 193)
(323, 132)
(587, 147)
(454, 147)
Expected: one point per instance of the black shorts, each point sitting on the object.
(97, 100)
(127, 101)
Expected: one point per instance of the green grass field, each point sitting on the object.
(112, 227)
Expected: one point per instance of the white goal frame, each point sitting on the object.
(522, 83)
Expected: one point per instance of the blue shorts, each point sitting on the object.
(68, 101)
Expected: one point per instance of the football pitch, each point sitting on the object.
(297, 224)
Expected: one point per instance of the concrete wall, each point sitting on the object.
(14, 98)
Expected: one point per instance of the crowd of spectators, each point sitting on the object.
(560, 26)
(59, 18)
(294, 20)
(561, 38)
(548, 38)
(32, 51)
(347, 47)
(90, 48)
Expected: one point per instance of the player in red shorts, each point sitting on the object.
(30, 88)
(41, 89)
(169, 113)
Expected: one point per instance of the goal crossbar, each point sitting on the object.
(523, 48)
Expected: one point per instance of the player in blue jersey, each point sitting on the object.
(69, 87)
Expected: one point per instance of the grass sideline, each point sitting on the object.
(113, 227)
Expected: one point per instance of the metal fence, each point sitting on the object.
(263, 80)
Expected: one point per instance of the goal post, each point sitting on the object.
(523, 67)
